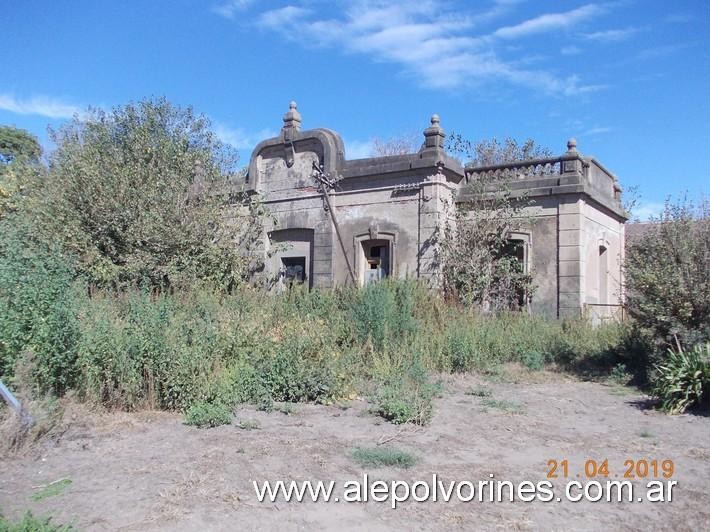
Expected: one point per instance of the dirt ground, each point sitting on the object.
(148, 471)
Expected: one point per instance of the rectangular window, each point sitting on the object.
(294, 269)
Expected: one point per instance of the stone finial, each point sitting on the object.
(292, 118)
(572, 145)
(434, 135)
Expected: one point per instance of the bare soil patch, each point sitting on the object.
(148, 471)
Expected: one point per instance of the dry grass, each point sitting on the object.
(55, 417)
(17, 437)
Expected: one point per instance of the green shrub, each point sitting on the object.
(619, 375)
(141, 350)
(37, 298)
(667, 273)
(298, 370)
(384, 312)
(533, 360)
(30, 523)
(383, 456)
(407, 396)
(204, 414)
(463, 350)
(683, 379)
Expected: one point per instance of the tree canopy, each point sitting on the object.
(136, 195)
(486, 152)
(489, 152)
(19, 159)
(17, 144)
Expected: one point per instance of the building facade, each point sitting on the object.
(339, 221)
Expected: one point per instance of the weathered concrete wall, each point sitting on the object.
(543, 251)
(603, 237)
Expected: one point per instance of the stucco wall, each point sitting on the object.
(599, 229)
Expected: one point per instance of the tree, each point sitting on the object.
(479, 266)
(19, 159)
(667, 270)
(490, 152)
(17, 144)
(397, 145)
(137, 195)
(485, 152)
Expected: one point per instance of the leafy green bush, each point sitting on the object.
(37, 298)
(463, 350)
(299, 371)
(384, 312)
(128, 194)
(533, 360)
(407, 396)
(383, 456)
(203, 414)
(683, 379)
(667, 272)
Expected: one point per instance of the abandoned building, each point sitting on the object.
(340, 221)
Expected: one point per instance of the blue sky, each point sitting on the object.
(630, 79)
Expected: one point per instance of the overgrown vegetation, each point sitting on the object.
(209, 349)
(481, 266)
(136, 196)
(668, 278)
(493, 151)
(668, 296)
(205, 415)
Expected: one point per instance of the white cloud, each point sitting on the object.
(547, 22)
(679, 18)
(38, 105)
(610, 35)
(646, 210)
(240, 139)
(435, 45)
(599, 130)
(230, 8)
(358, 149)
(662, 50)
(283, 18)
